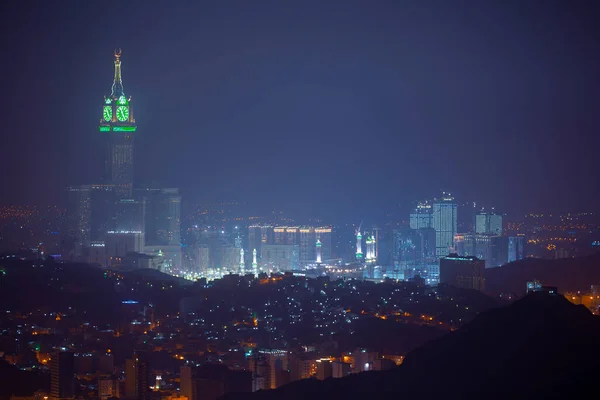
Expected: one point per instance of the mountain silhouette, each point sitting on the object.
(541, 346)
(568, 274)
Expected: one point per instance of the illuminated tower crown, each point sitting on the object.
(117, 120)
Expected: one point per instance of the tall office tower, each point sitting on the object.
(162, 220)
(444, 221)
(108, 387)
(118, 123)
(280, 257)
(307, 244)
(462, 272)
(62, 375)
(318, 250)
(359, 254)
(186, 375)
(488, 223)
(78, 217)
(422, 217)
(516, 245)
(242, 269)
(131, 378)
(130, 215)
(142, 375)
(254, 263)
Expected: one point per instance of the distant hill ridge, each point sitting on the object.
(568, 274)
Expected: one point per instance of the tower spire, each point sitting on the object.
(117, 86)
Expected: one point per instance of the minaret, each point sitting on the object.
(254, 264)
(242, 264)
(319, 251)
(369, 250)
(373, 249)
(359, 254)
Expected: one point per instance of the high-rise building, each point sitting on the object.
(422, 216)
(162, 215)
(280, 257)
(488, 223)
(462, 272)
(62, 375)
(185, 381)
(444, 221)
(142, 371)
(130, 378)
(118, 123)
(516, 245)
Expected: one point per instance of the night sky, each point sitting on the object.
(329, 108)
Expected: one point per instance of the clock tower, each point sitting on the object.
(118, 124)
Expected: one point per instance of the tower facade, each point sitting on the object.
(118, 124)
(444, 221)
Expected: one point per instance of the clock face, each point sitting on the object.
(122, 113)
(107, 113)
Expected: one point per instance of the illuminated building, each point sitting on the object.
(319, 251)
(516, 246)
(462, 272)
(118, 124)
(422, 216)
(162, 216)
(324, 369)
(280, 257)
(242, 263)
(304, 237)
(120, 243)
(90, 214)
(62, 375)
(488, 223)
(108, 387)
(254, 263)
(444, 221)
(277, 360)
(490, 248)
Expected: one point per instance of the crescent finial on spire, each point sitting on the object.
(118, 53)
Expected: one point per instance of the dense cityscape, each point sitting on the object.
(131, 290)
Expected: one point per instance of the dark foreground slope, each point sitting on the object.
(568, 274)
(541, 346)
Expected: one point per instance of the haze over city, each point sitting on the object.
(281, 199)
(329, 108)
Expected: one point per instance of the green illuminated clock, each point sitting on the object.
(122, 113)
(107, 113)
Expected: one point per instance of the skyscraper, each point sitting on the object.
(62, 375)
(118, 123)
(488, 223)
(422, 216)
(462, 272)
(444, 221)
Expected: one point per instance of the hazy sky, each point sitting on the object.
(311, 106)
